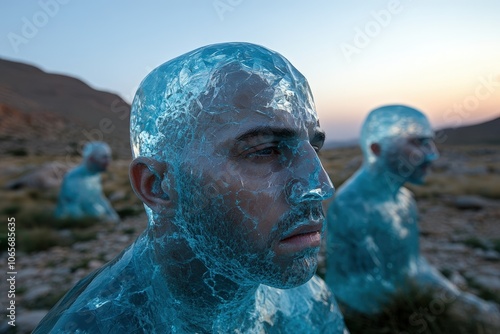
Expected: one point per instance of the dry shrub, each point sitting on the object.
(38, 239)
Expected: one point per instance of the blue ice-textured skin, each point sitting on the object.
(81, 192)
(118, 299)
(372, 223)
(228, 134)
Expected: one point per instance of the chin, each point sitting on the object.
(293, 275)
(418, 177)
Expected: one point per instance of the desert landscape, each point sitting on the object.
(40, 140)
(459, 206)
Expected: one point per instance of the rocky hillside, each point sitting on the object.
(483, 133)
(41, 111)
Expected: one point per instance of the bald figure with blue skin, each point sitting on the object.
(81, 194)
(372, 223)
(225, 141)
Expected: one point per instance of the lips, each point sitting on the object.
(307, 235)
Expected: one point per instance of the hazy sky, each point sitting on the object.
(442, 57)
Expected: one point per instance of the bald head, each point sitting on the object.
(177, 99)
(391, 122)
(96, 156)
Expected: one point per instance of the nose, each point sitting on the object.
(431, 151)
(309, 180)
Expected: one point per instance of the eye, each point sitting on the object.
(417, 141)
(424, 143)
(263, 152)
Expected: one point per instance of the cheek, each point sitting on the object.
(262, 208)
(253, 205)
(393, 160)
(254, 192)
(416, 156)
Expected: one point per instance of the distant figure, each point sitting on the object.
(81, 190)
(225, 141)
(372, 224)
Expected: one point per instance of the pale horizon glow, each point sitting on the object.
(439, 58)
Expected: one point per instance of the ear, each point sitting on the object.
(150, 181)
(375, 147)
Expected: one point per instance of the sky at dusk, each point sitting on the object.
(442, 57)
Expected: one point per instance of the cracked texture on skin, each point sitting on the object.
(230, 135)
(373, 236)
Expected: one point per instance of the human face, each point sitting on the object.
(250, 191)
(100, 159)
(411, 157)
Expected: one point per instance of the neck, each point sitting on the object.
(382, 179)
(205, 299)
(90, 168)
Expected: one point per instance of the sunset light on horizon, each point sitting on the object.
(442, 58)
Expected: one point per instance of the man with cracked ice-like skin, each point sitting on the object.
(81, 190)
(225, 141)
(372, 229)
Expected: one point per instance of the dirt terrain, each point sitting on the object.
(459, 221)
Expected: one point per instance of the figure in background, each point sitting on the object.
(225, 141)
(81, 190)
(372, 233)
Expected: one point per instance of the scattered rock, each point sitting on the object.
(454, 248)
(95, 264)
(26, 320)
(47, 176)
(28, 273)
(458, 280)
(117, 195)
(81, 247)
(491, 255)
(491, 283)
(54, 271)
(467, 202)
(123, 239)
(37, 292)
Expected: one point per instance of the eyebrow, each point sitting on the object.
(267, 131)
(284, 133)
